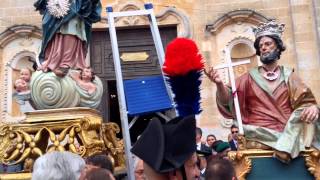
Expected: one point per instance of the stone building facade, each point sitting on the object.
(214, 24)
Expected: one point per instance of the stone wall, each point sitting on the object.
(317, 6)
(13, 12)
(317, 16)
(305, 40)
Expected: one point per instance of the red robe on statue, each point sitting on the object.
(261, 107)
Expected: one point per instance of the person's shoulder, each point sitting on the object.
(204, 145)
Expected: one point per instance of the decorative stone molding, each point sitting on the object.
(26, 33)
(7, 91)
(241, 15)
(18, 31)
(226, 123)
(167, 16)
(240, 39)
(184, 25)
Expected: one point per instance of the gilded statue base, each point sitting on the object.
(79, 130)
(248, 151)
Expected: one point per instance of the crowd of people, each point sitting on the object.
(69, 166)
(210, 160)
(175, 150)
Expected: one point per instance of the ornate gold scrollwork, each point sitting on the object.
(242, 164)
(242, 142)
(5, 141)
(23, 144)
(112, 143)
(85, 135)
(313, 163)
(79, 130)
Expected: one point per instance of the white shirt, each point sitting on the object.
(199, 146)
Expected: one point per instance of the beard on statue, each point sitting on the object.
(270, 57)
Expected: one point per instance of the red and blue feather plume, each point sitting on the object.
(183, 68)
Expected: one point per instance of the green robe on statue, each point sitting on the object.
(273, 118)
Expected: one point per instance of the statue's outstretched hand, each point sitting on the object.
(213, 75)
(310, 114)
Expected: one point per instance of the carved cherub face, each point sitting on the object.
(87, 74)
(25, 74)
(21, 85)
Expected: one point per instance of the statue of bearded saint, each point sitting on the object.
(66, 33)
(277, 108)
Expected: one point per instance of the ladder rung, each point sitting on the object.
(130, 13)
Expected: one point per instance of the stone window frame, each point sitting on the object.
(242, 15)
(12, 33)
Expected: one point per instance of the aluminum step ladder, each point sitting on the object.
(120, 86)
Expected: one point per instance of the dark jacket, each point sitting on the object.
(233, 145)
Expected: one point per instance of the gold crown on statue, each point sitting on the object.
(269, 28)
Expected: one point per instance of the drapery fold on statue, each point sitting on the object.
(87, 10)
(271, 117)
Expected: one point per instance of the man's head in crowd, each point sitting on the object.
(100, 160)
(98, 174)
(139, 170)
(190, 171)
(220, 169)
(234, 132)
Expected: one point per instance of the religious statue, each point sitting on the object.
(23, 93)
(88, 86)
(277, 108)
(84, 79)
(66, 26)
(25, 74)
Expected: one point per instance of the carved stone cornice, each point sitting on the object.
(180, 19)
(184, 20)
(242, 15)
(18, 31)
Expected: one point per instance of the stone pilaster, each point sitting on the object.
(305, 39)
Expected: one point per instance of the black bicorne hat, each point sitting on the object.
(165, 147)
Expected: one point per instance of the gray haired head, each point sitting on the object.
(58, 166)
